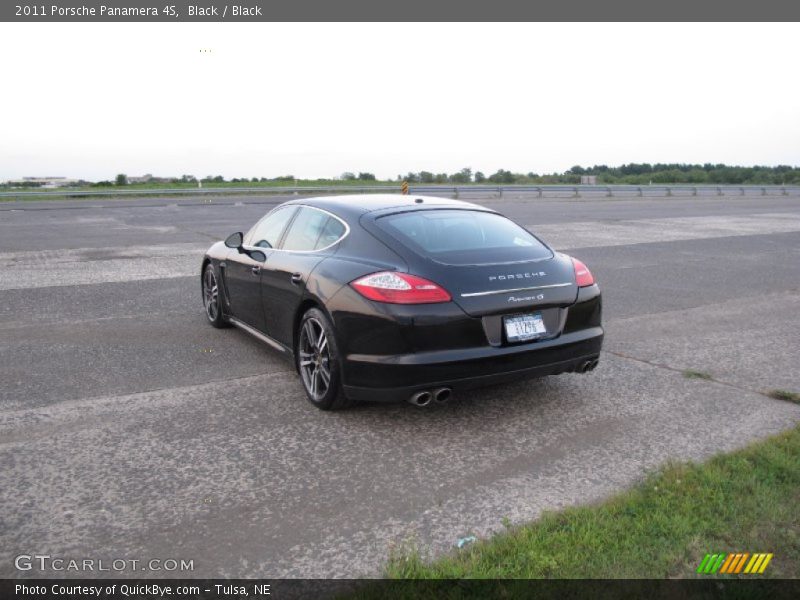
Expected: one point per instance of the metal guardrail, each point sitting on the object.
(540, 191)
(611, 191)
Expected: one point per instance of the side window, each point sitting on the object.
(267, 232)
(311, 230)
(332, 232)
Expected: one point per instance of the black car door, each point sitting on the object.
(243, 284)
(242, 274)
(308, 240)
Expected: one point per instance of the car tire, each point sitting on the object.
(318, 362)
(212, 297)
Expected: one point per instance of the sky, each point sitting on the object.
(91, 100)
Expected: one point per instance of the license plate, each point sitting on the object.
(524, 327)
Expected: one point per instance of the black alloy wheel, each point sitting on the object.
(318, 362)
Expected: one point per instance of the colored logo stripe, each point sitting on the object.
(740, 564)
(767, 558)
(735, 563)
(703, 563)
(754, 563)
(717, 564)
(711, 563)
(728, 562)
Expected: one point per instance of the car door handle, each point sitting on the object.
(297, 278)
(255, 270)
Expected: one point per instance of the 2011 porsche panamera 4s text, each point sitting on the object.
(386, 297)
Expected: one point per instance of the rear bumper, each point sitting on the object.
(395, 378)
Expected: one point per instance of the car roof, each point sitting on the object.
(354, 205)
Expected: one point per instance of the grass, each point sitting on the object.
(692, 374)
(784, 395)
(746, 501)
(178, 187)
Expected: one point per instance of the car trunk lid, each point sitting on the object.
(507, 288)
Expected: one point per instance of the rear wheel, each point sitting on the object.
(318, 362)
(211, 297)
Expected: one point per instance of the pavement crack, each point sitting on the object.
(110, 399)
(709, 378)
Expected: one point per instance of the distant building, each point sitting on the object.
(148, 178)
(42, 182)
(588, 179)
(143, 179)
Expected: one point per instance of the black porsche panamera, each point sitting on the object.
(386, 297)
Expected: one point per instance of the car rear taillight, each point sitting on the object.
(400, 288)
(583, 276)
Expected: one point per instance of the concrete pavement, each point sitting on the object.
(130, 428)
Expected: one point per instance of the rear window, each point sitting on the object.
(463, 237)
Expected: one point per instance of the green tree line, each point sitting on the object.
(632, 173)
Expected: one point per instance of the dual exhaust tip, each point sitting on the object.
(587, 366)
(424, 398)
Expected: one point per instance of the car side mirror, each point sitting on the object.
(235, 241)
(257, 255)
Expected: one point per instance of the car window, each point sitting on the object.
(463, 237)
(312, 229)
(332, 232)
(267, 232)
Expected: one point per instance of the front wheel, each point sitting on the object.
(212, 300)
(318, 362)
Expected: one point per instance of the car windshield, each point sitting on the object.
(464, 237)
